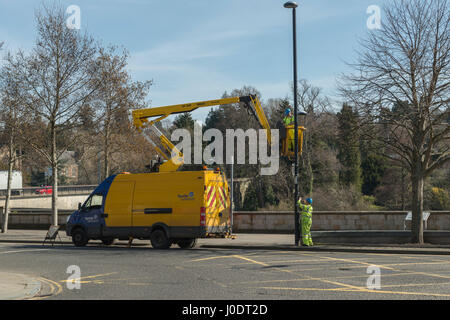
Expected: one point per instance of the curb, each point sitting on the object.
(33, 241)
(316, 248)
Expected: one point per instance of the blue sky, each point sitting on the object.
(196, 49)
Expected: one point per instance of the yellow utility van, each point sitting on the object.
(165, 207)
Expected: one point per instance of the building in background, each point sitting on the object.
(68, 168)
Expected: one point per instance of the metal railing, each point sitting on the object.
(47, 190)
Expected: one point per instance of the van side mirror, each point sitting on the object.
(79, 206)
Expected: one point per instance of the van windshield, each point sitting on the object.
(94, 202)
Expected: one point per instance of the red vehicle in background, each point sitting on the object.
(44, 190)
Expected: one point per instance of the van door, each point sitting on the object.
(118, 208)
(153, 201)
(90, 215)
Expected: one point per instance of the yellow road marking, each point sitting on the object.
(358, 262)
(429, 274)
(415, 284)
(343, 286)
(91, 281)
(17, 251)
(314, 279)
(389, 268)
(386, 266)
(211, 258)
(250, 260)
(88, 277)
(53, 286)
(297, 260)
(354, 288)
(405, 272)
(288, 271)
(359, 291)
(59, 287)
(417, 263)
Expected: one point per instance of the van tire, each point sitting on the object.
(159, 239)
(108, 241)
(79, 237)
(187, 243)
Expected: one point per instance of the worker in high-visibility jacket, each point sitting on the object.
(306, 220)
(289, 120)
(288, 117)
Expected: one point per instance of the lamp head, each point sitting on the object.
(291, 5)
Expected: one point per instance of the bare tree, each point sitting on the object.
(116, 96)
(311, 100)
(401, 88)
(56, 78)
(12, 117)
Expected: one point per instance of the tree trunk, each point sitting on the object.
(54, 178)
(403, 188)
(8, 187)
(417, 180)
(55, 194)
(106, 152)
(106, 164)
(260, 193)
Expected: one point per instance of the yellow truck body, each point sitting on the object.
(184, 205)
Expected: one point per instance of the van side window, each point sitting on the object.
(94, 202)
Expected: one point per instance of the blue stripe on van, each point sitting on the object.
(103, 187)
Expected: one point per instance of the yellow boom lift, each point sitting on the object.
(175, 160)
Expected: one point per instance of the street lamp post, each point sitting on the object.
(292, 5)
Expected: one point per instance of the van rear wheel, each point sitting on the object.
(187, 243)
(159, 239)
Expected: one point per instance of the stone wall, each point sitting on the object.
(276, 222)
(283, 221)
(34, 218)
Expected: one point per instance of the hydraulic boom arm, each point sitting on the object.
(141, 119)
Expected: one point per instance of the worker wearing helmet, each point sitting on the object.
(306, 219)
(289, 120)
(288, 117)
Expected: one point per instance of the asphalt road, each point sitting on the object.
(140, 272)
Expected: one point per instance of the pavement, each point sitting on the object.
(14, 286)
(21, 286)
(251, 241)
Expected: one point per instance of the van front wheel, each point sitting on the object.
(159, 239)
(79, 238)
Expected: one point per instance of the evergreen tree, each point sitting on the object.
(250, 199)
(184, 120)
(348, 143)
(373, 168)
